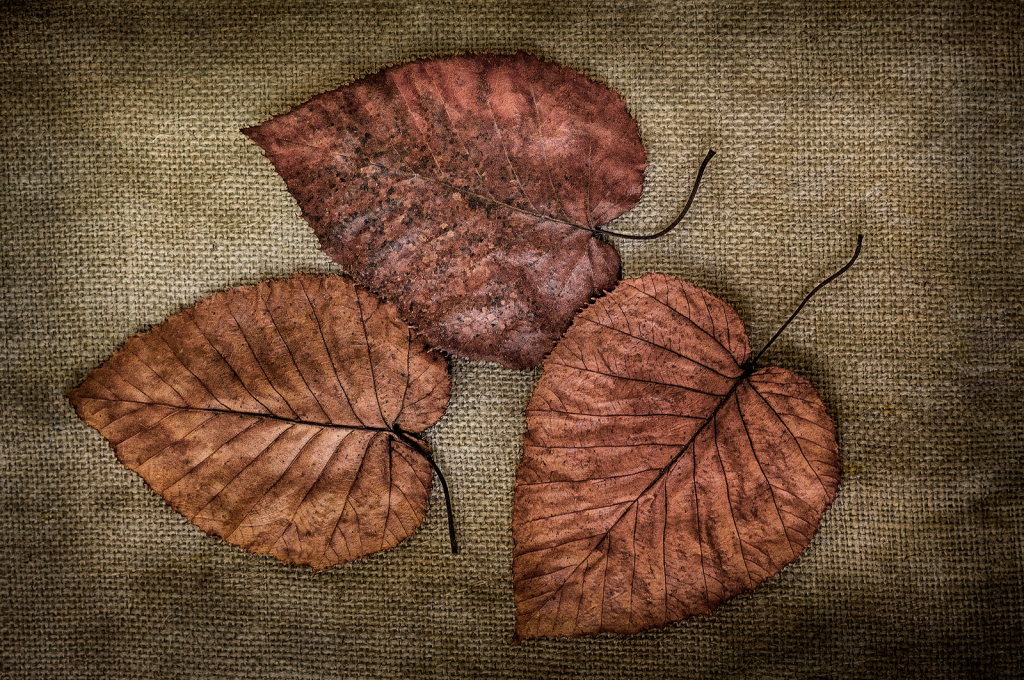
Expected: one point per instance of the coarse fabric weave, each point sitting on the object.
(129, 193)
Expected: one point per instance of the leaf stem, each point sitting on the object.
(422, 449)
(676, 221)
(856, 253)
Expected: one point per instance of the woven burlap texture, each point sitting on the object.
(129, 193)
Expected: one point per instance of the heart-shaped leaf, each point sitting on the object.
(467, 190)
(660, 476)
(275, 417)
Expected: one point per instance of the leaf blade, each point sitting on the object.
(465, 189)
(265, 416)
(729, 494)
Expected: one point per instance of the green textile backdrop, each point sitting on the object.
(129, 193)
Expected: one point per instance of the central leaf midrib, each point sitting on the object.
(487, 199)
(710, 418)
(268, 416)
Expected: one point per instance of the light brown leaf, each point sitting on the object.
(270, 416)
(660, 476)
(467, 190)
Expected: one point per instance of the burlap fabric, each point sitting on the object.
(128, 193)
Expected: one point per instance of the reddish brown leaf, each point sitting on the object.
(466, 189)
(659, 476)
(268, 416)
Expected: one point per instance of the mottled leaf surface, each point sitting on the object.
(660, 477)
(466, 189)
(268, 415)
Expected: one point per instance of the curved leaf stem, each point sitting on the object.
(422, 449)
(676, 221)
(856, 253)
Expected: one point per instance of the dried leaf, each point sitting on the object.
(467, 189)
(660, 476)
(270, 416)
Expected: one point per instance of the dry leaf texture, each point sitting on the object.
(659, 477)
(466, 190)
(266, 416)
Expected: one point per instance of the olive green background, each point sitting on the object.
(128, 193)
